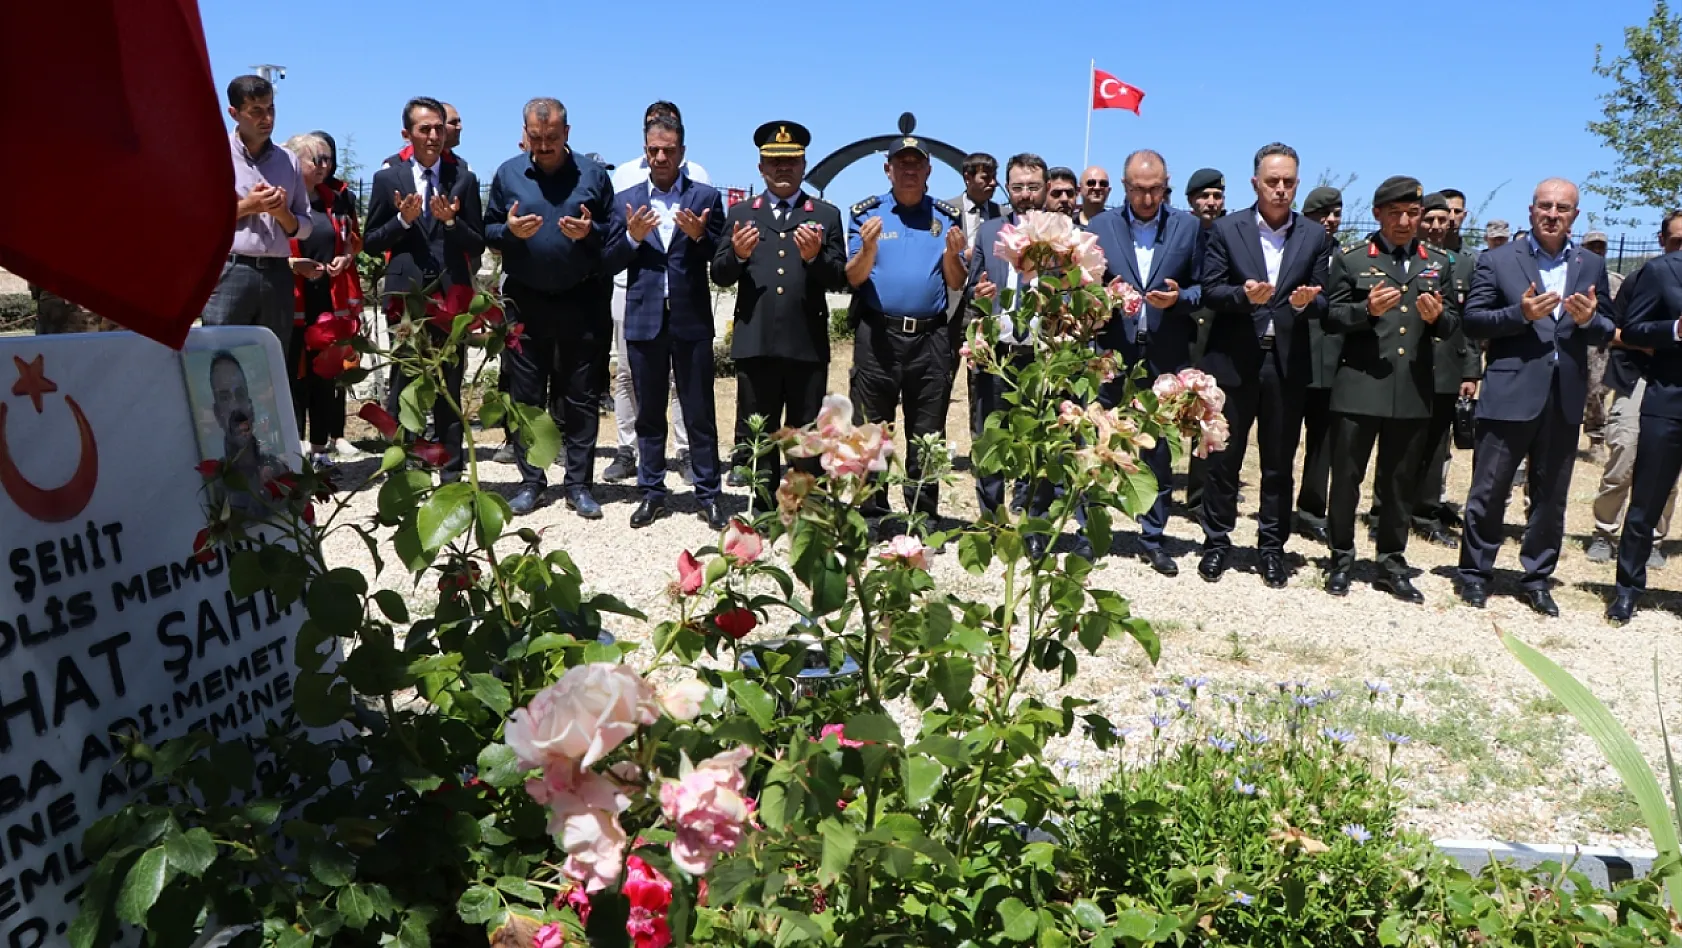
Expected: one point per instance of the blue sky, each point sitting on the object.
(1478, 96)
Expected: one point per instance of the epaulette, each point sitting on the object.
(1356, 248)
(866, 204)
(947, 209)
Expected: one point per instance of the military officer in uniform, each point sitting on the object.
(1206, 193)
(1389, 298)
(906, 253)
(1326, 206)
(782, 251)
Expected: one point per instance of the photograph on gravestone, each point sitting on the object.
(237, 417)
(109, 624)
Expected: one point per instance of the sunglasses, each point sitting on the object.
(1097, 183)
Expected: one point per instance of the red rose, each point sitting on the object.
(332, 361)
(381, 419)
(202, 550)
(210, 470)
(736, 623)
(516, 331)
(330, 331)
(430, 453)
(309, 514)
(441, 311)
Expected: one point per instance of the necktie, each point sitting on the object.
(782, 211)
(426, 196)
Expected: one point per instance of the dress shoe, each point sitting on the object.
(582, 502)
(1474, 594)
(650, 510)
(1161, 562)
(1314, 532)
(1600, 550)
(1212, 565)
(735, 479)
(1655, 559)
(685, 468)
(1400, 587)
(1337, 583)
(1541, 601)
(1622, 607)
(1440, 536)
(713, 513)
(1273, 570)
(623, 467)
(524, 502)
(505, 454)
(1036, 545)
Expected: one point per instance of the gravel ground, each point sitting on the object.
(1493, 754)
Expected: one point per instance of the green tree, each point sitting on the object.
(1643, 117)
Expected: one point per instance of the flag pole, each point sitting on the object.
(1091, 74)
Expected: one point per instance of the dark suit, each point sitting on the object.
(1203, 320)
(1654, 303)
(1383, 388)
(427, 255)
(669, 331)
(1158, 339)
(1325, 350)
(781, 338)
(986, 390)
(1457, 360)
(1264, 376)
(1534, 387)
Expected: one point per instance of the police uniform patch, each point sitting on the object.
(934, 226)
(866, 205)
(947, 209)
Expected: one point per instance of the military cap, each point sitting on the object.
(1322, 199)
(1497, 228)
(908, 143)
(1436, 201)
(1203, 179)
(782, 140)
(598, 159)
(1596, 237)
(1397, 188)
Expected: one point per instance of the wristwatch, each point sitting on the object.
(450, 224)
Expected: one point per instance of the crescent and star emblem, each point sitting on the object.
(66, 501)
(1105, 91)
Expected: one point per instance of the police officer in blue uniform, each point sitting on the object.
(906, 252)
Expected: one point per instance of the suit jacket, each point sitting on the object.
(982, 260)
(426, 251)
(656, 275)
(1174, 258)
(780, 305)
(1385, 366)
(1325, 349)
(1525, 360)
(1234, 256)
(989, 211)
(1458, 359)
(1655, 303)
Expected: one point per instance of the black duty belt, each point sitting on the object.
(261, 263)
(910, 325)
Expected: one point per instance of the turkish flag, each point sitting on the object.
(1108, 92)
(120, 186)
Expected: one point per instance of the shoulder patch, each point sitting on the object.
(866, 204)
(1353, 249)
(947, 209)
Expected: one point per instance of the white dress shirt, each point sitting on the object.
(665, 205)
(974, 215)
(1144, 244)
(1552, 269)
(632, 173)
(1273, 252)
(420, 172)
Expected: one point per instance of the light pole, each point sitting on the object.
(270, 71)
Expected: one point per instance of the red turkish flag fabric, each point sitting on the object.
(120, 184)
(1108, 92)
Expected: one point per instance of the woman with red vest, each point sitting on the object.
(326, 284)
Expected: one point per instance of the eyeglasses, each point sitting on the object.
(1097, 183)
(1025, 188)
(1061, 193)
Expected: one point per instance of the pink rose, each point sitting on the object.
(907, 550)
(1168, 386)
(580, 719)
(690, 575)
(705, 808)
(682, 701)
(595, 846)
(840, 733)
(549, 936)
(742, 543)
(650, 895)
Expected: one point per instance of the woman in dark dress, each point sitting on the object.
(325, 285)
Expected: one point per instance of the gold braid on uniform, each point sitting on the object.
(947, 209)
(865, 205)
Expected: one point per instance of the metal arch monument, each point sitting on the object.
(822, 173)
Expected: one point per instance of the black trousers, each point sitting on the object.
(1427, 484)
(1401, 442)
(561, 366)
(1549, 441)
(787, 392)
(318, 403)
(1273, 406)
(446, 422)
(1312, 497)
(1658, 462)
(912, 373)
(654, 363)
(986, 396)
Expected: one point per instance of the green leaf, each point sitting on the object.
(1020, 921)
(414, 404)
(952, 676)
(414, 932)
(539, 434)
(499, 767)
(401, 492)
(1146, 637)
(478, 905)
(330, 865)
(141, 887)
(334, 606)
(975, 551)
(492, 692)
(356, 906)
(1134, 924)
(1098, 528)
(1296, 897)
(873, 727)
(1088, 915)
(446, 515)
(191, 852)
(245, 574)
(829, 587)
(1390, 931)
(839, 841)
(392, 459)
(520, 889)
(922, 777)
(1620, 750)
(493, 514)
(392, 605)
(755, 702)
(1137, 490)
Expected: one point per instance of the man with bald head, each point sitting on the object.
(1538, 301)
(1154, 250)
(1094, 194)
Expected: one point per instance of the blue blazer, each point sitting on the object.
(656, 275)
(1233, 256)
(983, 260)
(1525, 358)
(1653, 303)
(1177, 258)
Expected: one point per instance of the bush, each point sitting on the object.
(839, 326)
(17, 312)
